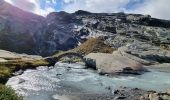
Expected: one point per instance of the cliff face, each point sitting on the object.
(25, 32)
(19, 30)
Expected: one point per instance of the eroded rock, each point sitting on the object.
(113, 63)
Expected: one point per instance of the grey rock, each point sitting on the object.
(113, 63)
(18, 73)
(154, 96)
(24, 32)
(168, 91)
(147, 52)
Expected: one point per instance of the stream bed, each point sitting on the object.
(72, 79)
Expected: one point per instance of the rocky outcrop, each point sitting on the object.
(20, 31)
(153, 95)
(148, 52)
(24, 32)
(113, 63)
(7, 56)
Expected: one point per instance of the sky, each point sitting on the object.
(155, 8)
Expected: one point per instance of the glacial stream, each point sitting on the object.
(72, 79)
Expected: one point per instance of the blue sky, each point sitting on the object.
(155, 8)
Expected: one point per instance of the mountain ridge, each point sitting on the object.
(24, 32)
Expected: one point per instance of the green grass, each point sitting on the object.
(6, 93)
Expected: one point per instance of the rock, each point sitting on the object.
(166, 97)
(43, 68)
(3, 60)
(21, 81)
(154, 96)
(148, 52)
(6, 56)
(113, 63)
(142, 61)
(146, 95)
(164, 67)
(168, 91)
(18, 73)
(25, 32)
(142, 98)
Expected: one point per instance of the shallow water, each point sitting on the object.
(48, 84)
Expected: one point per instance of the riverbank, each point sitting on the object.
(10, 63)
(73, 82)
(34, 80)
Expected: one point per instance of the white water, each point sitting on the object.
(46, 84)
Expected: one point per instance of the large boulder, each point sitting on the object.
(113, 63)
(148, 52)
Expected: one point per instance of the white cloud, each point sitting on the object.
(95, 5)
(155, 8)
(33, 6)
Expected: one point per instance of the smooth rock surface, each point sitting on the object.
(5, 56)
(113, 63)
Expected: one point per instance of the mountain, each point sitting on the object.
(19, 30)
(24, 32)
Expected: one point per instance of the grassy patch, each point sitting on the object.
(7, 68)
(5, 73)
(93, 45)
(6, 93)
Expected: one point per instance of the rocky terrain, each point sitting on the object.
(14, 64)
(111, 43)
(25, 32)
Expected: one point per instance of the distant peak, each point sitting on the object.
(82, 12)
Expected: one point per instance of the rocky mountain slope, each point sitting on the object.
(25, 32)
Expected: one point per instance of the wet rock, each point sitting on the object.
(58, 74)
(42, 68)
(21, 81)
(18, 73)
(119, 97)
(114, 63)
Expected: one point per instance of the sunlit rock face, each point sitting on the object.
(25, 32)
(20, 31)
